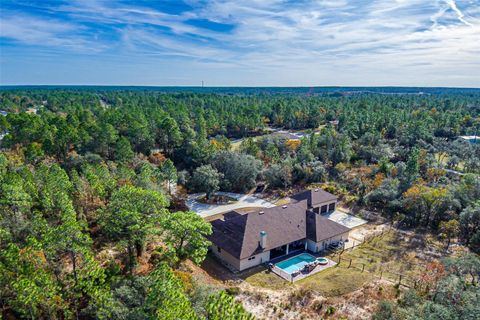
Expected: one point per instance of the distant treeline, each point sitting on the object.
(89, 226)
(256, 90)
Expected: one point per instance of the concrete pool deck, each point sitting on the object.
(301, 275)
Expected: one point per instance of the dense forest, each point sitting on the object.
(93, 224)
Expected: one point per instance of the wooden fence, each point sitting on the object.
(384, 273)
(395, 277)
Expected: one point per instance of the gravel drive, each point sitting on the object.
(243, 201)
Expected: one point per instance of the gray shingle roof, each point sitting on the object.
(240, 235)
(320, 228)
(314, 197)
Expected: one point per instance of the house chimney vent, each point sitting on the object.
(263, 239)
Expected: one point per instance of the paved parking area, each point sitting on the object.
(243, 201)
(345, 219)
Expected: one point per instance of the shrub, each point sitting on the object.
(317, 306)
(330, 311)
(233, 291)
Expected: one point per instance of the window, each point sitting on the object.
(251, 258)
(324, 209)
(219, 249)
(331, 207)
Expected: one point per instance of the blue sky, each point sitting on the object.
(241, 43)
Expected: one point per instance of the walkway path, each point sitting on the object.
(243, 201)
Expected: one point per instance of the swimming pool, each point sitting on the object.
(295, 263)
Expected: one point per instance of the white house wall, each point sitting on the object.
(259, 259)
(327, 203)
(227, 258)
(319, 246)
(312, 245)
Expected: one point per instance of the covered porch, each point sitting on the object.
(288, 249)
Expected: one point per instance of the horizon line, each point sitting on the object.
(234, 86)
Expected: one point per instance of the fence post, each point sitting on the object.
(339, 259)
(399, 280)
(350, 263)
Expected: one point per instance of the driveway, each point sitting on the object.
(345, 219)
(243, 201)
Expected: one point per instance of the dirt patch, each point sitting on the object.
(360, 233)
(304, 303)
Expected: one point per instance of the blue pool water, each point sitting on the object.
(295, 263)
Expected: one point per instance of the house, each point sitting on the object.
(31, 110)
(318, 200)
(242, 241)
(285, 135)
(471, 139)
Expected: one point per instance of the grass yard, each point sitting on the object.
(330, 282)
(267, 279)
(442, 158)
(335, 281)
(393, 252)
(236, 144)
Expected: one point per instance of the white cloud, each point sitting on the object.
(381, 39)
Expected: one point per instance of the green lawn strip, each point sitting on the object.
(335, 281)
(268, 280)
(387, 253)
(330, 282)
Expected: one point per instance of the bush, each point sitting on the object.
(157, 256)
(186, 279)
(317, 306)
(233, 291)
(330, 311)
